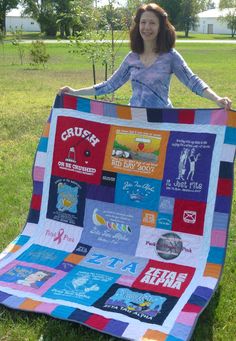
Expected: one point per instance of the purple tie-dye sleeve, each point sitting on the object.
(119, 77)
(186, 75)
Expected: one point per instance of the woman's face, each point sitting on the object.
(149, 26)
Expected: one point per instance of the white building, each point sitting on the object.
(14, 20)
(209, 21)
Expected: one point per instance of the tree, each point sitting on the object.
(229, 17)
(211, 5)
(73, 15)
(188, 18)
(6, 6)
(44, 12)
(173, 8)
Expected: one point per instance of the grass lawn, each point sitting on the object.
(27, 94)
(125, 35)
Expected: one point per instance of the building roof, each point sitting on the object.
(215, 12)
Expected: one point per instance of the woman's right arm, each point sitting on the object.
(90, 91)
(119, 77)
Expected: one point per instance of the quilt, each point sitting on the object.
(128, 222)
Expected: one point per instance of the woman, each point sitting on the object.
(150, 65)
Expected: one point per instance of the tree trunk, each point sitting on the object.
(67, 30)
(94, 76)
(62, 31)
(3, 22)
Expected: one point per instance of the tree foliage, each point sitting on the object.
(230, 17)
(6, 6)
(189, 10)
(62, 15)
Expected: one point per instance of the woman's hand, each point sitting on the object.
(224, 102)
(66, 89)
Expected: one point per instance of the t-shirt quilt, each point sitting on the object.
(128, 222)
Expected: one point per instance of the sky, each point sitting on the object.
(123, 2)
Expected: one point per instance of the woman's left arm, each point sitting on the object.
(194, 83)
(223, 102)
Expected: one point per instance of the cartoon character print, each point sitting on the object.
(67, 199)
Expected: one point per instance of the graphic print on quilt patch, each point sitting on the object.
(79, 149)
(82, 285)
(110, 226)
(137, 191)
(66, 201)
(136, 152)
(145, 306)
(188, 165)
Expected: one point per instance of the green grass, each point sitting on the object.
(125, 35)
(27, 94)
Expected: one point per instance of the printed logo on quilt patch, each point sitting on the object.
(79, 149)
(111, 226)
(82, 249)
(188, 165)
(58, 236)
(31, 278)
(189, 216)
(149, 218)
(141, 305)
(167, 278)
(108, 178)
(181, 248)
(82, 285)
(114, 262)
(136, 151)
(137, 192)
(66, 201)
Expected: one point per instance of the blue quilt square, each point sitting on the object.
(43, 255)
(170, 115)
(220, 221)
(82, 286)
(216, 255)
(154, 115)
(116, 327)
(230, 135)
(83, 104)
(43, 144)
(33, 216)
(202, 116)
(164, 221)
(226, 170)
(80, 315)
(110, 110)
(62, 312)
(137, 191)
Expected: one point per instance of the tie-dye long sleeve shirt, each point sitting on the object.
(151, 84)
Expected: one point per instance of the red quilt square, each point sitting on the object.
(79, 149)
(97, 322)
(36, 202)
(189, 216)
(192, 308)
(186, 116)
(69, 102)
(165, 278)
(225, 187)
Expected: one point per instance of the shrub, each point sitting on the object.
(38, 53)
